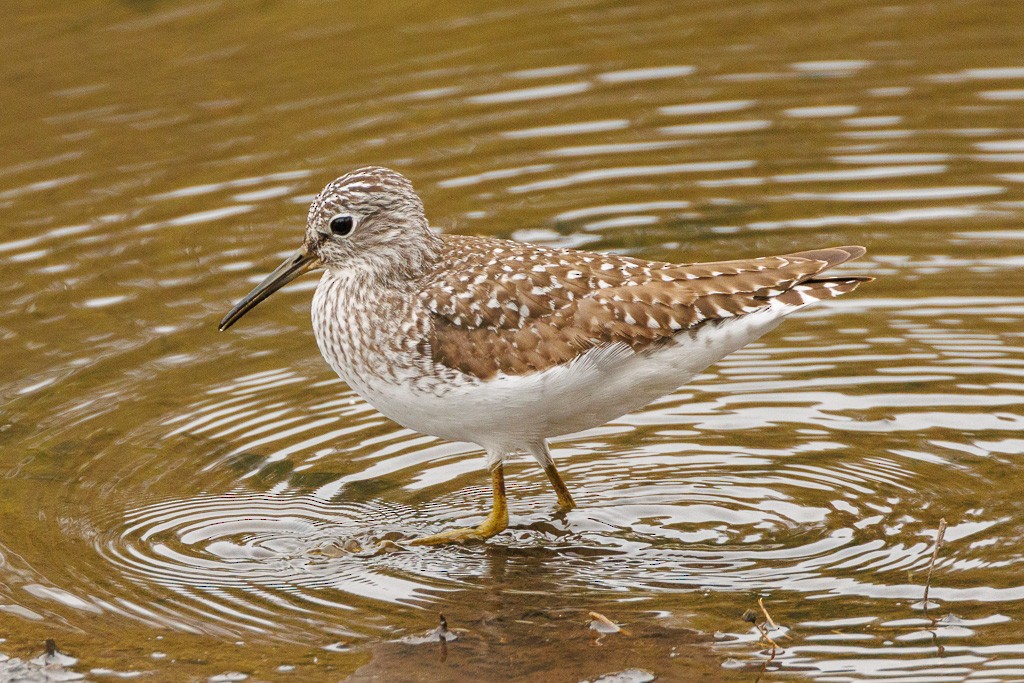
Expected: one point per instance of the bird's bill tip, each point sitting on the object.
(294, 266)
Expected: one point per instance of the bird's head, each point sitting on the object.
(368, 222)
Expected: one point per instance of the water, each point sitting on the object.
(195, 504)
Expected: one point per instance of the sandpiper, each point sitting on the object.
(506, 344)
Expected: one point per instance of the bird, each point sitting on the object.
(507, 344)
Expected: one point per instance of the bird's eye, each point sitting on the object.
(342, 225)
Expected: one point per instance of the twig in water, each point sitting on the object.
(750, 616)
(603, 624)
(760, 603)
(442, 636)
(931, 565)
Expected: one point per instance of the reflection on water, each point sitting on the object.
(207, 504)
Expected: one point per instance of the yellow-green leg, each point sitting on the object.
(495, 523)
(565, 501)
(542, 453)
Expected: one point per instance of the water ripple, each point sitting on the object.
(158, 475)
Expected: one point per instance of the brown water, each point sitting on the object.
(187, 503)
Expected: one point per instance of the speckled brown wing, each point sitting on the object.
(516, 308)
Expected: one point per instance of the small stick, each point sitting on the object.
(608, 623)
(442, 636)
(764, 666)
(931, 565)
(760, 602)
(612, 626)
(751, 617)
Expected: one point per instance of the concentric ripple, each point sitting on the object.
(683, 496)
(263, 562)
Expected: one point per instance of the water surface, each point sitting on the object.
(194, 504)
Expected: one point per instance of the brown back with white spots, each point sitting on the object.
(513, 308)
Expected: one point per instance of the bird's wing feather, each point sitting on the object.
(510, 308)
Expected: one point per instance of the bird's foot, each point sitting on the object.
(491, 526)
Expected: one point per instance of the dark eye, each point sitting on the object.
(341, 225)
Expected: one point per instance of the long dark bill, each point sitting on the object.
(301, 262)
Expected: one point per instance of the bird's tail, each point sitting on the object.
(816, 288)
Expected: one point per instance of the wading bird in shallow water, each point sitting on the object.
(505, 344)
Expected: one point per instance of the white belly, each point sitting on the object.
(508, 412)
